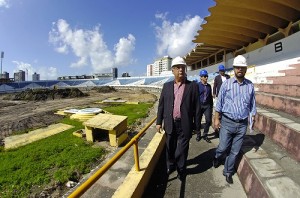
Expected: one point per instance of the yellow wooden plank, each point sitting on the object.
(105, 121)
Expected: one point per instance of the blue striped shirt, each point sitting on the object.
(236, 100)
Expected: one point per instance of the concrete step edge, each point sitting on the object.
(278, 89)
(261, 176)
(282, 131)
(278, 95)
(288, 105)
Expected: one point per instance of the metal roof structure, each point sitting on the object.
(234, 25)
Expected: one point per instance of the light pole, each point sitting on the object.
(26, 74)
(2, 56)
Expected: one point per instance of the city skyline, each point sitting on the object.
(58, 38)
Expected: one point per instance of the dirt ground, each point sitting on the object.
(38, 111)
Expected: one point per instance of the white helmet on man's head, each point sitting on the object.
(178, 61)
(240, 61)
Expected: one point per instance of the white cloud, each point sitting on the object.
(46, 73)
(90, 47)
(4, 3)
(123, 50)
(175, 39)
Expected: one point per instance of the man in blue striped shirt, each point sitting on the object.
(236, 100)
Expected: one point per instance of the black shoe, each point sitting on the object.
(170, 170)
(217, 133)
(181, 176)
(216, 162)
(206, 139)
(228, 178)
(198, 138)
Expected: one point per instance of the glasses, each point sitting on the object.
(205, 76)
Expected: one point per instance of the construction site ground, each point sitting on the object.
(33, 112)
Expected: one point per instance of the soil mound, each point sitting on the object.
(104, 89)
(45, 94)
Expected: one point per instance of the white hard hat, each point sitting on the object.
(178, 61)
(240, 61)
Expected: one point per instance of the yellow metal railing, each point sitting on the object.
(134, 141)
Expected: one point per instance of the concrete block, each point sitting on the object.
(135, 182)
(283, 187)
(266, 167)
(255, 153)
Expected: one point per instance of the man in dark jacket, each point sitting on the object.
(206, 101)
(179, 111)
(219, 79)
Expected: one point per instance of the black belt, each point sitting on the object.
(177, 119)
(237, 121)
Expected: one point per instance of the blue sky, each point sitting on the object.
(75, 37)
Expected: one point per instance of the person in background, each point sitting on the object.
(236, 100)
(219, 79)
(179, 112)
(206, 101)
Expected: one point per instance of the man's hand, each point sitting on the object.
(217, 123)
(158, 128)
(253, 122)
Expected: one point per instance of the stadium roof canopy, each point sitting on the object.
(233, 25)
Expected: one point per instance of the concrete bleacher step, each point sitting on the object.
(295, 69)
(290, 76)
(283, 103)
(286, 80)
(284, 90)
(266, 170)
(293, 72)
(282, 128)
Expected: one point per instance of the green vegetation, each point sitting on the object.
(133, 111)
(55, 160)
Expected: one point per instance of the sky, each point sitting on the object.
(81, 37)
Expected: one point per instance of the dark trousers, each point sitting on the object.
(206, 109)
(177, 147)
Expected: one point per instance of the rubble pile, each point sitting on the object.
(46, 94)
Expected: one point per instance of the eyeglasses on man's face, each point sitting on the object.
(204, 76)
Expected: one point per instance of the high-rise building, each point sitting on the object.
(19, 76)
(125, 74)
(150, 70)
(35, 77)
(5, 75)
(114, 71)
(162, 65)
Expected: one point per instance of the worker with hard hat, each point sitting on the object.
(179, 112)
(219, 79)
(236, 101)
(206, 101)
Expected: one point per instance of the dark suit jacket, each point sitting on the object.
(190, 108)
(209, 99)
(218, 83)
